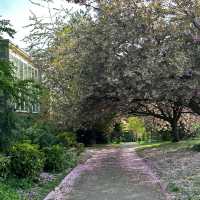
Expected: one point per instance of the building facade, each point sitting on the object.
(24, 70)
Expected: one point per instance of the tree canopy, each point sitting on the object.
(6, 27)
(130, 55)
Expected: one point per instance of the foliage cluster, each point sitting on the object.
(92, 136)
(7, 193)
(26, 160)
(4, 166)
(39, 147)
(42, 134)
(55, 158)
(67, 139)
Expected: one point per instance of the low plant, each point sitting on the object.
(55, 158)
(46, 140)
(196, 130)
(67, 139)
(7, 193)
(172, 187)
(4, 166)
(196, 147)
(42, 134)
(80, 148)
(70, 159)
(26, 160)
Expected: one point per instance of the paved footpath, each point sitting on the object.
(110, 174)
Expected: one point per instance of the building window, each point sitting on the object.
(25, 71)
(21, 69)
(29, 72)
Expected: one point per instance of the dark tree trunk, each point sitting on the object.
(174, 131)
(195, 105)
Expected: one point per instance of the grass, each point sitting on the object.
(170, 146)
(177, 165)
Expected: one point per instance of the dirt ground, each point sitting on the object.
(179, 171)
(111, 174)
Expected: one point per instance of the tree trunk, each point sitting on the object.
(175, 133)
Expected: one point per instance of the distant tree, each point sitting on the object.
(6, 27)
(135, 125)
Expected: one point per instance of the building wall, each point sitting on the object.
(4, 49)
(24, 70)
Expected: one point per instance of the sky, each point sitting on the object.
(18, 12)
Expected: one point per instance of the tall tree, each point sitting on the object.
(130, 52)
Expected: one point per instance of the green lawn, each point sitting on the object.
(185, 144)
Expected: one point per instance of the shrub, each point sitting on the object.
(4, 166)
(196, 147)
(68, 139)
(32, 133)
(26, 160)
(70, 159)
(172, 187)
(80, 148)
(7, 193)
(127, 137)
(164, 134)
(46, 140)
(196, 130)
(55, 158)
(87, 137)
(41, 134)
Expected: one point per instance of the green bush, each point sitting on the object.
(33, 133)
(127, 137)
(46, 140)
(70, 158)
(4, 166)
(55, 158)
(172, 187)
(26, 160)
(80, 148)
(42, 134)
(68, 139)
(7, 193)
(196, 147)
(196, 130)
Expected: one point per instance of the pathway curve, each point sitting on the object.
(111, 174)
